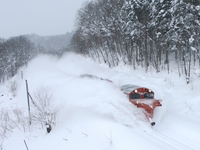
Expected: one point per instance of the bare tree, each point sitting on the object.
(44, 109)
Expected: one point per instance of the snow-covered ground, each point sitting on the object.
(95, 115)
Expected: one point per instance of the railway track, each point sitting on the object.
(170, 142)
(177, 143)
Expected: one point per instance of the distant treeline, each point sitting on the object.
(147, 33)
(16, 52)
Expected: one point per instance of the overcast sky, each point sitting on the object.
(42, 17)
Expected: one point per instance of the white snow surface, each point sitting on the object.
(95, 114)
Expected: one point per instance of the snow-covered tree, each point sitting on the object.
(185, 26)
(145, 33)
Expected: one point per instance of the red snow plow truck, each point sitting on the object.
(142, 97)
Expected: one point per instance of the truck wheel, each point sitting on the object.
(153, 123)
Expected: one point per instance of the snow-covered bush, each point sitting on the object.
(44, 109)
(11, 119)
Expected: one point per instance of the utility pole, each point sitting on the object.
(29, 110)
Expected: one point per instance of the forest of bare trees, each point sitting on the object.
(17, 51)
(146, 33)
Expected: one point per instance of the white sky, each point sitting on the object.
(43, 17)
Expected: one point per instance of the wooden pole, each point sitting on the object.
(29, 110)
(25, 144)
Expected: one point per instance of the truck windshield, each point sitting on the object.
(134, 96)
(148, 95)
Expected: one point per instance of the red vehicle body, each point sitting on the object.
(142, 97)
